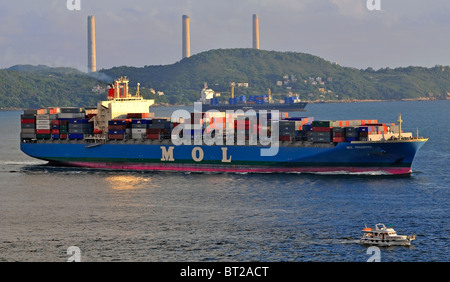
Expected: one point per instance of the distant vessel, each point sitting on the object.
(256, 102)
(384, 236)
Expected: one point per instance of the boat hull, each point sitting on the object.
(294, 107)
(385, 158)
(385, 243)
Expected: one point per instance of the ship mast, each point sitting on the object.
(399, 126)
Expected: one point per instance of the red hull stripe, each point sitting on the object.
(242, 169)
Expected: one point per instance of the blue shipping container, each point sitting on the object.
(117, 122)
(141, 121)
(76, 136)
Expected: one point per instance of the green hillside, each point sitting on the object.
(310, 76)
(42, 86)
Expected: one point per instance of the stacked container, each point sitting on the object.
(79, 127)
(117, 129)
(43, 130)
(158, 129)
(139, 128)
(351, 134)
(28, 125)
(320, 132)
(287, 130)
(363, 133)
(338, 134)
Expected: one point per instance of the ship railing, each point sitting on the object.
(97, 138)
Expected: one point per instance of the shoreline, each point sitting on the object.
(309, 102)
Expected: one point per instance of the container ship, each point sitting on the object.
(254, 102)
(122, 134)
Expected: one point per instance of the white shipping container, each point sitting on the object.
(139, 131)
(42, 117)
(43, 122)
(42, 126)
(71, 115)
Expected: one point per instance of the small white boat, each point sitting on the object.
(384, 236)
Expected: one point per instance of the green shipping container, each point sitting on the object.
(43, 136)
(321, 123)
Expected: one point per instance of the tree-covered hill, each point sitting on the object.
(252, 71)
(41, 86)
(311, 77)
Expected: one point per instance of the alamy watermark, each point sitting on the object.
(375, 253)
(74, 253)
(73, 5)
(236, 128)
(373, 5)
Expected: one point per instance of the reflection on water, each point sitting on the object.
(130, 182)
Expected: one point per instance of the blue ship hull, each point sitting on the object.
(384, 157)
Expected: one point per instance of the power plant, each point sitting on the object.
(92, 60)
(186, 38)
(255, 32)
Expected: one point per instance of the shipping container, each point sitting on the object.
(76, 136)
(30, 112)
(41, 126)
(321, 129)
(138, 115)
(79, 121)
(42, 117)
(321, 123)
(43, 122)
(28, 130)
(43, 136)
(153, 136)
(29, 121)
(71, 110)
(338, 139)
(28, 125)
(287, 138)
(27, 135)
(71, 115)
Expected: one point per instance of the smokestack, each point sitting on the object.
(255, 32)
(186, 37)
(92, 60)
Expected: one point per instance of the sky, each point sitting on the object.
(148, 32)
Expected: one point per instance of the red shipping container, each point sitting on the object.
(116, 136)
(285, 138)
(338, 139)
(339, 134)
(321, 129)
(55, 122)
(28, 121)
(153, 136)
(55, 131)
(63, 136)
(43, 131)
(154, 130)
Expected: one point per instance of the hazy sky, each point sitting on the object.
(148, 32)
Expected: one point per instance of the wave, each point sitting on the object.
(22, 162)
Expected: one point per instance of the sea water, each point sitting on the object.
(184, 217)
